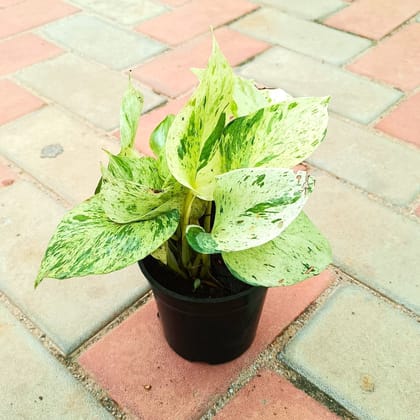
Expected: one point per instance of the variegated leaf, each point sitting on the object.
(158, 144)
(141, 170)
(192, 147)
(131, 107)
(87, 242)
(247, 98)
(298, 253)
(253, 206)
(127, 201)
(280, 135)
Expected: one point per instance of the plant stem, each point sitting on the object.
(185, 248)
(205, 258)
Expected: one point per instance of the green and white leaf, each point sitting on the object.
(253, 206)
(125, 201)
(87, 242)
(247, 98)
(280, 135)
(131, 107)
(275, 96)
(141, 170)
(158, 144)
(192, 147)
(298, 253)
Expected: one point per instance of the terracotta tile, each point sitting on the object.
(404, 121)
(395, 61)
(270, 397)
(194, 18)
(7, 176)
(15, 101)
(170, 73)
(373, 18)
(24, 50)
(135, 354)
(31, 13)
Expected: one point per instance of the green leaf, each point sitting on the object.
(298, 253)
(192, 147)
(141, 170)
(158, 144)
(87, 242)
(131, 107)
(126, 200)
(253, 206)
(247, 98)
(281, 135)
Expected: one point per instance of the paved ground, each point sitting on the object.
(344, 344)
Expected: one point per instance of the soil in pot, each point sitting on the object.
(212, 325)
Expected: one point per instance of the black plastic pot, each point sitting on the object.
(212, 330)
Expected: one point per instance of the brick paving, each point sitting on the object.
(340, 345)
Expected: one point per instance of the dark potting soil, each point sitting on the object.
(226, 285)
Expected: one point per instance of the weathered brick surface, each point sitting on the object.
(35, 385)
(23, 15)
(170, 73)
(101, 41)
(352, 96)
(87, 89)
(194, 18)
(367, 159)
(68, 311)
(395, 61)
(16, 101)
(404, 121)
(299, 35)
(369, 241)
(24, 50)
(373, 18)
(307, 9)
(366, 355)
(270, 397)
(135, 354)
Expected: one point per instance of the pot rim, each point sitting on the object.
(190, 299)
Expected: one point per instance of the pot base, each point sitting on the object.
(211, 330)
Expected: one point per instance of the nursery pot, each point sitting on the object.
(212, 330)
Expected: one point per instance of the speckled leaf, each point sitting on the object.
(131, 107)
(158, 144)
(127, 201)
(247, 98)
(141, 170)
(253, 206)
(192, 147)
(87, 242)
(298, 253)
(281, 135)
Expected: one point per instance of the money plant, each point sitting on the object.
(221, 182)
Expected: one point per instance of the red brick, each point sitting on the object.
(404, 121)
(135, 354)
(417, 211)
(7, 176)
(15, 101)
(24, 50)
(170, 72)
(31, 13)
(395, 61)
(373, 18)
(194, 18)
(270, 397)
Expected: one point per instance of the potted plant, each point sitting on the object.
(214, 218)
